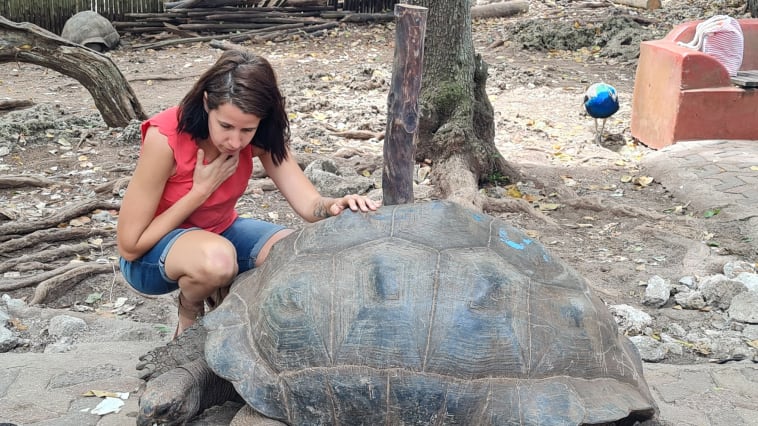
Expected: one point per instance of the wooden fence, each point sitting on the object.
(52, 14)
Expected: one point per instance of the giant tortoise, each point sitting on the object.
(92, 30)
(414, 314)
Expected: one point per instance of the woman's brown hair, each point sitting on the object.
(248, 82)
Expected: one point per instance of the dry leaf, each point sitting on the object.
(643, 180)
(513, 191)
(568, 181)
(548, 206)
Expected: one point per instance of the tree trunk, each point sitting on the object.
(752, 7)
(456, 127)
(111, 92)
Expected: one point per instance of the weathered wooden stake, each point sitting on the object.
(402, 105)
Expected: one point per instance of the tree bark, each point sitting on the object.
(457, 127)
(111, 92)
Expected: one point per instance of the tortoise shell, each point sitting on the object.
(91, 29)
(422, 313)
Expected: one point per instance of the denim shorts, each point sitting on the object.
(147, 274)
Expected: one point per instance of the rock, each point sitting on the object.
(750, 332)
(688, 281)
(650, 349)
(733, 269)
(749, 279)
(673, 348)
(332, 182)
(690, 300)
(13, 305)
(675, 330)
(4, 317)
(66, 326)
(744, 307)
(8, 340)
(630, 320)
(64, 345)
(719, 290)
(657, 292)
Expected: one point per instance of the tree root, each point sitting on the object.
(51, 235)
(18, 181)
(56, 286)
(9, 285)
(70, 212)
(114, 187)
(597, 204)
(44, 256)
(516, 205)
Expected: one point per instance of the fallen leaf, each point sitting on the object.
(643, 180)
(711, 212)
(626, 178)
(568, 181)
(102, 394)
(93, 297)
(18, 325)
(548, 206)
(513, 191)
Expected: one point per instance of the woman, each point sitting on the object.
(178, 227)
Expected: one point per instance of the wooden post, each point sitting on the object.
(641, 4)
(402, 105)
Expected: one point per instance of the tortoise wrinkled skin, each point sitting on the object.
(423, 314)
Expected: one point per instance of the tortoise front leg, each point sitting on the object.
(175, 397)
(246, 416)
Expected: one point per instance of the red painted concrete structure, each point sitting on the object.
(681, 94)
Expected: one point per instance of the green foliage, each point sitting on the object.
(496, 178)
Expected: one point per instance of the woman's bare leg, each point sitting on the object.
(263, 254)
(201, 262)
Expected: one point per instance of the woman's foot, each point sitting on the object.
(188, 314)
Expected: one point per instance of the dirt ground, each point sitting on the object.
(540, 65)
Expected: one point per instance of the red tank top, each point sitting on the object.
(218, 212)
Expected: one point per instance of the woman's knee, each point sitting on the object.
(217, 262)
(203, 258)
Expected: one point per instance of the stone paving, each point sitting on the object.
(710, 174)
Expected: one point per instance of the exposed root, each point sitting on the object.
(59, 284)
(597, 204)
(516, 205)
(64, 215)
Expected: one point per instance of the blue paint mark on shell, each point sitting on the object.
(513, 244)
